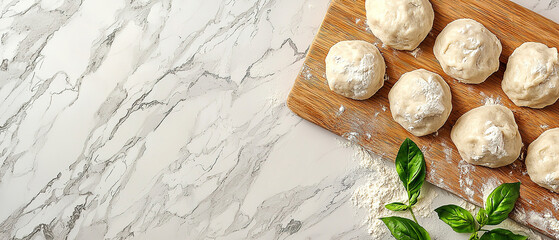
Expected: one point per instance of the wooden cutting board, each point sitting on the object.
(369, 123)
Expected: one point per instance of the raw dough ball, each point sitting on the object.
(531, 78)
(467, 51)
(355, 69)
(400, 24)
(487, 136)
(542, 160)
(420, 101)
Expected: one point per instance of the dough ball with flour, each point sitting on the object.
(355, 69)
(487, 136)
(420, 101)
(400, 24)
(531, 78)
(542, 160)
(467, 51)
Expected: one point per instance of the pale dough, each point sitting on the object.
(467, 51)
(355, 69)
(400, 24)
(542, 160)
(420, 102)
(487, 136)
(531, 78)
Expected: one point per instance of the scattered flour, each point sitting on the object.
(490, 100)
(447, 152)
(544, 126)
(555, 203)
(340, 111)
(468, 206)
(357, 20)
(465, 179)
(306, 72)
(382, 187)
(384, 108)
(416, 52)
(544, 220)
(351, 136)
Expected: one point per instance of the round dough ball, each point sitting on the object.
(400, 24)
(487, 136)
(420, 101)
(355, 69)
(467, 51)
(531, 78)
(542, 160)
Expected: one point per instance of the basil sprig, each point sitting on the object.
(411, 168)
(403, 228)
(501, 202)
(498, 206)
(459, 219)
(502, 234)
(410, 165)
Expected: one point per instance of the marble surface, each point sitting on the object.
(166, 119)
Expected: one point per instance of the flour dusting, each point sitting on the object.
(433, 93)
(306, 72)
(555, 203)
(447, 152)
(416, 52)
(465, 180)
(358, 75)
(495, 142)
(340, 110)
(490, 100)
(351, 136)
(544, 220)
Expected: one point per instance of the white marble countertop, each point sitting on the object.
(166, 119)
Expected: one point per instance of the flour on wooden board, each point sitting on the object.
(490, 100)
(382, 187)
(545, 220)
(465, 180)
(340, 110)
(416, 52)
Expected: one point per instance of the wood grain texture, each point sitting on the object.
(370, 124)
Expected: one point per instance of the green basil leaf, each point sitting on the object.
(482, 217)
(459, 219)
(410, 165)
(405, 229)
(501, 234)
(397, 206)
(474, 236)
(501, 202)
